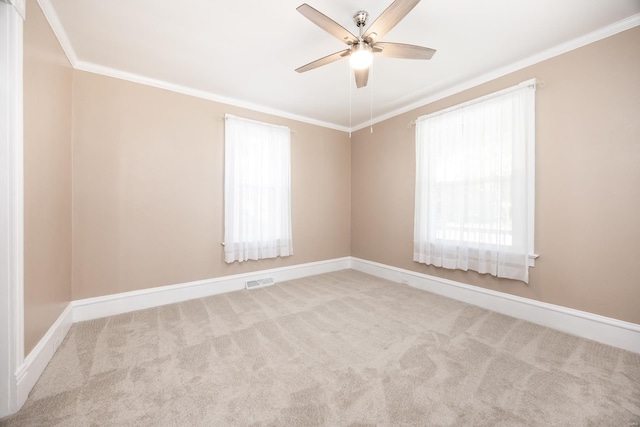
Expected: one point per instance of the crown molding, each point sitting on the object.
(594, 36)
(54, 22)
(60, 33)
(136, 78)
(58, 29)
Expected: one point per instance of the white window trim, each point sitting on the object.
(12, 200)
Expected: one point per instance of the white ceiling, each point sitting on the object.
(245, 52)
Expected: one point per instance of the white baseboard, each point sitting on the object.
(606, 330)
(38, 359)
(94, 308)
(587, 325)
(109, 305)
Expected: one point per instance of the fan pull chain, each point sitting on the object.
(371, 100)
(350, 90)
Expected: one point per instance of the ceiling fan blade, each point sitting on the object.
(323, 61)
(404, 51)
(327, 24)
(388, 19)
(362, 77)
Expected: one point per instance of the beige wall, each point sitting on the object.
(47, 177)
(148, 188)
(587, 183)
(148, 184)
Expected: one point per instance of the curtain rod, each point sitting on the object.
(527, 83)
(224, 116)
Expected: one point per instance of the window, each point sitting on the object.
(257, 190)
(475, 172)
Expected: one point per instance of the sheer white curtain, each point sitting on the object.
(257, 190)
(474, 185)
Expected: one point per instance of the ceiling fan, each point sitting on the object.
(362, 48)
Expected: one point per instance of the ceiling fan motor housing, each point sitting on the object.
(360, 18)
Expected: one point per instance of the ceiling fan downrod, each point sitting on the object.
(361, 52)
(360, 18)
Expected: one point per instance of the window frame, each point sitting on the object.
(530, 176)
(246, 234)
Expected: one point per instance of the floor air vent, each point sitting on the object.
(259, 282)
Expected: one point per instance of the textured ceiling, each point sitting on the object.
(245, 52)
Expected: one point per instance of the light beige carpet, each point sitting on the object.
(337, 349)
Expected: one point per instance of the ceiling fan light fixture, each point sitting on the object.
(361, 56)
